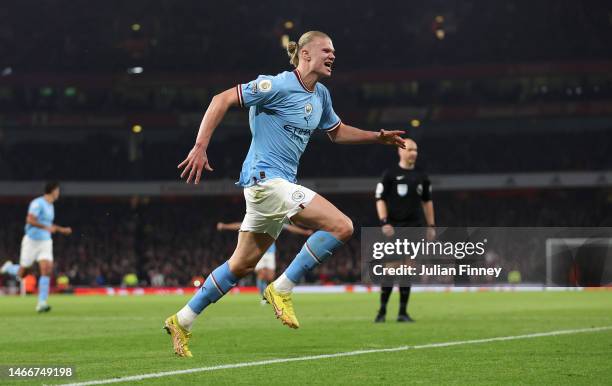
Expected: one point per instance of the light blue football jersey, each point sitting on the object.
(283, 115)
(44, 213)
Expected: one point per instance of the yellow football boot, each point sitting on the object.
(283, 306)
(180, 336)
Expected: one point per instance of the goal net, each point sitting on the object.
(583, 262)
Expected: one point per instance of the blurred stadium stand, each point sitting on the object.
(176, 236)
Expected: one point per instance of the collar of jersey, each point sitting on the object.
(299, 78)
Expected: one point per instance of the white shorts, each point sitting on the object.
(271, 203)
(268, 260)
(35, 250)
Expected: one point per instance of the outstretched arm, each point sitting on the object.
(232, 226)
(197, 159)
(346, 134)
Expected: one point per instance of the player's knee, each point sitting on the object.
(245, 270)
(344, 229)
(46, 268)
(241, 268)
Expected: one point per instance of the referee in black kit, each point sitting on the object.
(403, 199)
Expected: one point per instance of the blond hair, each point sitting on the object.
(293, 48)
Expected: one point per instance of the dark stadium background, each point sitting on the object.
(510, 103)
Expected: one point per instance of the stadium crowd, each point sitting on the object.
(171, 241)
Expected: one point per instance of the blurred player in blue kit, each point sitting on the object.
(284, 111)
(37, 244)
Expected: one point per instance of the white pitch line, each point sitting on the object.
(336, 355)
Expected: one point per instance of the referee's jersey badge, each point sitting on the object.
(402, 189)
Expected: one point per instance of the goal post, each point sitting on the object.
(576, 261)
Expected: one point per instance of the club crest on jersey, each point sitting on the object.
(402, 190)
(308, 109)
(308, 112)
(265, 85)
(420, 189)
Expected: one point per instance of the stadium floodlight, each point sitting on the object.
(135, 70)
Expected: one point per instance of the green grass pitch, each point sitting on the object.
(106, 337)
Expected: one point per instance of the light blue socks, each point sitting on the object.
(218, 283)
(43, 289)
(318, 248)
(261, 285)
